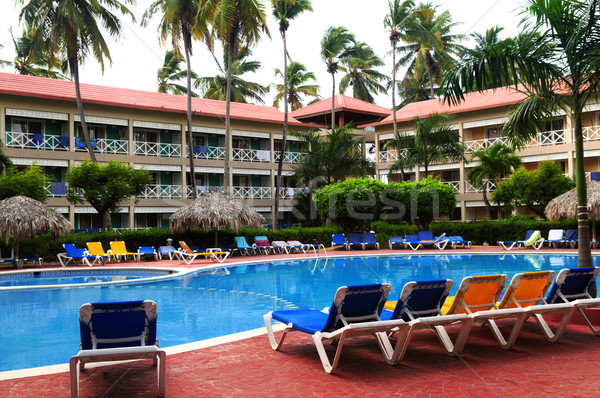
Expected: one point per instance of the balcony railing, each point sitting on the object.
(478, 145)
(591, 133)
(252, 192)
(251, 155)
(288, 192)
(455, 185)
(543, 138)
(161, 192)
(207, 152)
(290, 157)
(56, 189)
(203, 189)
(391, 156)
(490, 186)
(156, 149)
(37, 141)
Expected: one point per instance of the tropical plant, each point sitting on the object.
(533, 189)
(494, 162)
(361, 75)
(284, 11)
(298, 78)
(337, 45)
(30, 182)
(430, 48)
(105, 187)
(331, 157)
(33, 64)
(241, 90)
(433, 141)
(178, 21)
(555, 62)
(170, 73)
(62, 30)
(5, 161)
(236, 23)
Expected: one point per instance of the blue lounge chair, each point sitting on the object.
(117, 331)
(396, 240)
(420, 304)
(355, 311)
(426, 239)
(354, 239)
(147, 251)
(456, 240)
(242, 246)
(369, 240)
(338, 240)
(167, 251)
(412, 241)
(80, 256)
(572, 237)
(533, 238)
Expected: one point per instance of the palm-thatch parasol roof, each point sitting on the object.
(565, 205)
(23, 217)
(213, 210)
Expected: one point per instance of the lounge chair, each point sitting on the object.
(338, 240)
(147, 251)
(297, 245)
(261, 243)
(396, 240)
(354, 239)
(118, 331)
(412, 241)
(426, 239)
(187, 255)
(569, 293)
(533, 238)
(354, 311)
(555, 237)
(167, 251)
(456, 240)
(242, 246)
(420, 304)
(80, 256)
(96, 249)
(281, 245)
(369, 240)
(572, 237)
(120, 250)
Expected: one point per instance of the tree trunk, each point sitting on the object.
(106, 224)
(192, 182)
(486, 200)
(279, 179)
(227, 168)
(584, 249)
(86, 133)
(333, 102)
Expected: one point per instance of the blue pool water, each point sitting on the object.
(39, 278)
(40, 327)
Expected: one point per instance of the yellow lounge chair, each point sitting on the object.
(118, 249)
(187, 255)
(96, 249)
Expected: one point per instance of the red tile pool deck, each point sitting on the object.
(248, 367)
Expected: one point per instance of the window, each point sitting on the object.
(555, 124)
(241, 143)
(241, 181)
(95, 131)
(493, 132)
(198, 140)
(27, 126)
(145, 136)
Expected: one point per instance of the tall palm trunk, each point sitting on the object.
(228, 142)
(86, 133)
(394, 100)
(279, 180)
(186, 44)
(333, 101)
(584, 250)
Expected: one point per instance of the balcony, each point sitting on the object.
(207, 152)
(591, 133)
(490, 187)
(252, 192)
(156, 149)
(161, 192)
(202, 189)
(103, 145)
(290, 157)
(251, 155)
(37, 141)
(288, 193)
(455, 185)
(56, 189)
(391, 156)
(478, 145)
(543, 138)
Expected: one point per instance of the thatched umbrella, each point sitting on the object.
(23, 217)
(212, 210)
(565, 205)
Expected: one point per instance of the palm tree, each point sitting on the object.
(331, 157)
(170, 73)
(558, 64)
(298, 78)
(434, 141)
(494, 162)
(64, 31)
(431, 48)
(336, 45)
(284, 11)
(241, 90)
(235, 23)
(28, 63)
(178, 20)
(361, 75)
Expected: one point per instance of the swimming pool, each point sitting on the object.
(40, 327)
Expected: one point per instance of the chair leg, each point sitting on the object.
(276, 345)
(161, 369)
(327, 365)
(74, 368)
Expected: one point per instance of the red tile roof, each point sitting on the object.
(39, 87)
(494, 98)
(342, 103)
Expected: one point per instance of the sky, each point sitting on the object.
(137, 56)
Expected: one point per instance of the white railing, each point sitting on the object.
(392, 156)
(478, 145)
(203, 189)
(156, 149)
(591, 133)
(251, 155)
(104, 145)
(251, 192)
(490, 186)
(207, 152)
(290, 157)
(288, 192)
(545, 138)
(161, 192)
(56, 189)
(455, 185)
(37, 141)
